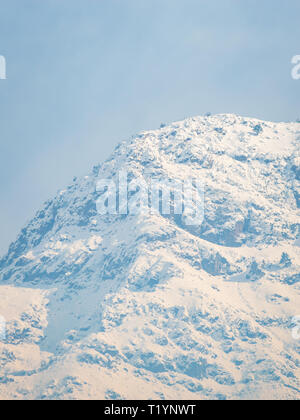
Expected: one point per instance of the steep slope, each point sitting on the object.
(143, 306)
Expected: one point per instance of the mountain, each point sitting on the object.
(143, 305)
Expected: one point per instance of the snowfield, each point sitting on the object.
(144, 307)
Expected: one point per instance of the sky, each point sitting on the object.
(83, 75)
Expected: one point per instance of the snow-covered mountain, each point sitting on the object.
(142, 306)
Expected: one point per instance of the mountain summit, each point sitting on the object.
(143, 305)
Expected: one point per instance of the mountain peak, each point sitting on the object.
(147, 302)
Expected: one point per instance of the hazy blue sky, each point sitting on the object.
(85, 74)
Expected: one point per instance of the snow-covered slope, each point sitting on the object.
(145, 307)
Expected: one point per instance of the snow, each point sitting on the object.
(146, 307)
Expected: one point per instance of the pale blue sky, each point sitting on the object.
(84, 74)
